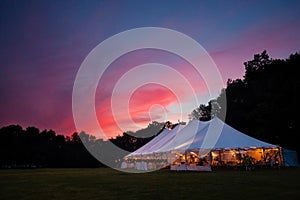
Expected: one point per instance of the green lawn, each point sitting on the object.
(110, 184)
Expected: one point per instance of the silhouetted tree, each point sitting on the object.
(264, 103)
(206, 112)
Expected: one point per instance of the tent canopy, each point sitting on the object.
(213, 134)
(213, 142)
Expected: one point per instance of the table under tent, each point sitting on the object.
(202, 145)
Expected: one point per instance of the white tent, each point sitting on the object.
(227, 138)
(164, 138)
(203, 139)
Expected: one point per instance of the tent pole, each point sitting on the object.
(220, 161)
(281, 156)
(185, 157)
(210, 157)
(240, 157)
(263, 153)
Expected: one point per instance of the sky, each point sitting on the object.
(44, 43)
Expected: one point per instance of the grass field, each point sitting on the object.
(164, 184)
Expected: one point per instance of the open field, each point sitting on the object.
(110, 184)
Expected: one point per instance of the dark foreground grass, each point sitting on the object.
(110, 184)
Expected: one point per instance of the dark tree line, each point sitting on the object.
(262, 104)
(131, 141)
(31, 148)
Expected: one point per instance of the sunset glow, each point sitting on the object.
(45, 43)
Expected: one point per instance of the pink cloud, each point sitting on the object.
(146, 96)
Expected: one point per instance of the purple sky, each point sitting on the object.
(43, 44)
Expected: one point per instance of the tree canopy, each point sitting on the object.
(263, 104)
(32, 148)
